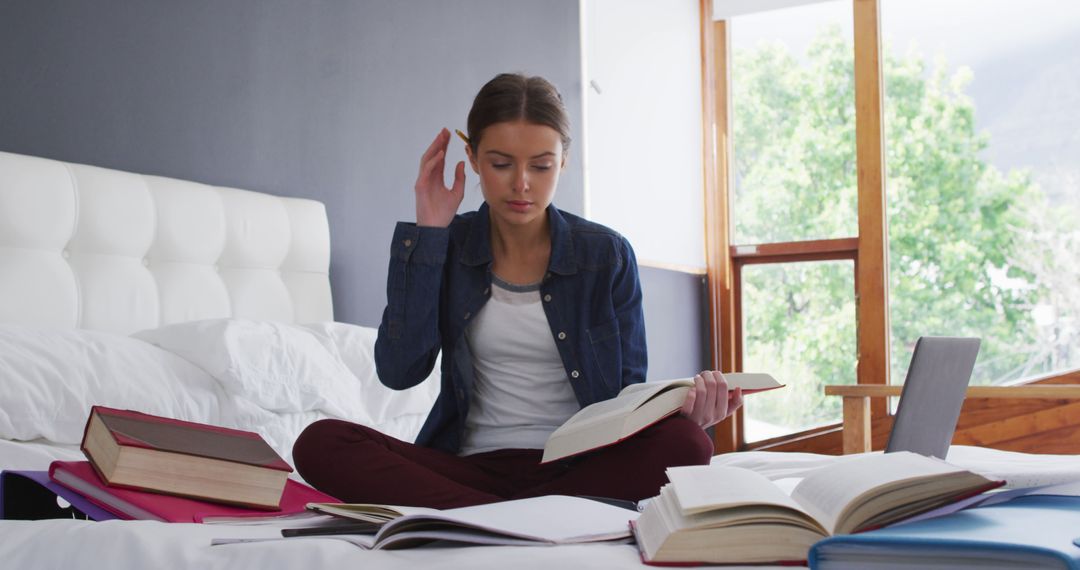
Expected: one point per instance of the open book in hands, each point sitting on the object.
(730, 515)
(635, 408)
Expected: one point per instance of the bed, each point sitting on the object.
(214, 305)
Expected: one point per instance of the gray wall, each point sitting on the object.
(676, 322)
(333, 100)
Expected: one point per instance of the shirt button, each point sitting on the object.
(547, 298)
(562, 335)
(467, 315)
(407, 242)
(574, 374)
(487, 290)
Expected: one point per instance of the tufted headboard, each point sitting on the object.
(88, 247)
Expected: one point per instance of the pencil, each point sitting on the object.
(462, 135)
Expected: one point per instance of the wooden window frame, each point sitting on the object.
(868, 250)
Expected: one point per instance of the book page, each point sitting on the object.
(701, 488)
(369, 512)
(748, 381)
(826, 492)
(628, 400)
(751, 381)
(554, 519)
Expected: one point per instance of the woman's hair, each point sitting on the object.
(515, 97)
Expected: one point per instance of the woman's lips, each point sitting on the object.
(519, 205)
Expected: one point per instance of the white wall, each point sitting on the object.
(643, 139)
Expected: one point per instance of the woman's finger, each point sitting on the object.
(711, 396)
(429, 171)
(723, 395)
(459, 180)
(736, 401)
(688, 404)
(700, 393)
(440, 142)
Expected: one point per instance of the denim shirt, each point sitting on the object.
(440, 278)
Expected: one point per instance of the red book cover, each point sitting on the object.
(79, 476)
(136, 429)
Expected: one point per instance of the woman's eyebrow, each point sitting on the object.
(507, 155)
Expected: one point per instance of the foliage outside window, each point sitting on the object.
(984, 185)
(975, 249)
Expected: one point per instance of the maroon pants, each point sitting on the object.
(358, 464)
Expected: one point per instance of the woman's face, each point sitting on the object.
(519, 165)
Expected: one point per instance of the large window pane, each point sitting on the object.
(794, 125)
(983, 180)
(798, 325)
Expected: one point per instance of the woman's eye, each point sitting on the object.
(542, 167)
(500, 165)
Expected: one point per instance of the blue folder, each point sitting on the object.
(1026, 532)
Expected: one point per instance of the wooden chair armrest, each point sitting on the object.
(857, 404)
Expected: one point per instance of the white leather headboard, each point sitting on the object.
(88, 247)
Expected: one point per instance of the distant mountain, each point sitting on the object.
(1029, 103)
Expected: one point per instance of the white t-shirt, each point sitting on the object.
(521, 393)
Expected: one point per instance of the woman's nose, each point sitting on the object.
(521, 180)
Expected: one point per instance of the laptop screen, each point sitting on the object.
(933, 393)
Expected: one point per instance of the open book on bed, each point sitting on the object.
(635, 408)
(730, 515)
(534, 521)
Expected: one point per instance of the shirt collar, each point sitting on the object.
(477, 250)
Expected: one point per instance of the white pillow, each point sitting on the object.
(355, 347)
(280, 367)
(49, 378)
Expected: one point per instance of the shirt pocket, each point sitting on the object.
(606, 344)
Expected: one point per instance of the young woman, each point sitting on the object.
(536, 312)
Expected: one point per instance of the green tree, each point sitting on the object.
(951, 220)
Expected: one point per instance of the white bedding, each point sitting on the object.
(145, 544)
(270, 378)
(274, 379)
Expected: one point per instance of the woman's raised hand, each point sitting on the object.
(436, 204)
(710, 401)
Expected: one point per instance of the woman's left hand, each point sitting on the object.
(710, 401)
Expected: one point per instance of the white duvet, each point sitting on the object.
(274, 379)
(271, 378)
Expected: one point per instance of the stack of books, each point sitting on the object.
(148, 467)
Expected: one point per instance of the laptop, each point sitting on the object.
(933, 393)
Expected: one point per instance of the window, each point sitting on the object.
(794, 211)
(794, 208)
(978, 131)
(798, 323)
(983, 181)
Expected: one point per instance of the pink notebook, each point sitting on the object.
(79, 476)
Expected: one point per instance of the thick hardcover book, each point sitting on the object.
(1027, 532)
(635, 408)
(128, 504)
(728, 515)
(141, 451)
